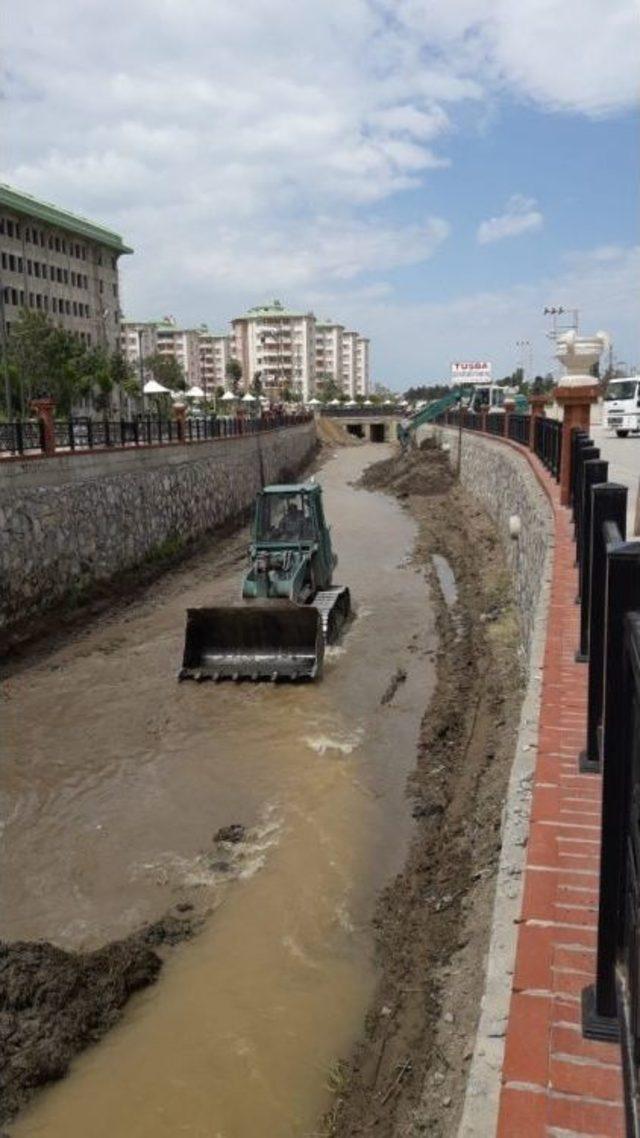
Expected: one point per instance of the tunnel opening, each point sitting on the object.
(376, 433)
(355, 429)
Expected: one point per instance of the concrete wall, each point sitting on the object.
(504, 483)
(68, 522)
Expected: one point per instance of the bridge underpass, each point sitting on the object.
(373, 425)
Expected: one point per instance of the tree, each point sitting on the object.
(167, 371)
(233, 372)
(256, 386)
(330, 389)
(46, 360)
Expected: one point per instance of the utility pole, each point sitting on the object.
(459, 434)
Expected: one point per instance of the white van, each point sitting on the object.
(621, 411)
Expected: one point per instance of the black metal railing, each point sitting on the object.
(518, 428)
(609, 597)
(547, 444)
(356, 412)
(495, 423)
(80, 433)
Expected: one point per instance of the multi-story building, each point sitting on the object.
(328, 353)
(59, 264)
(350, 363)
(215, 353)
(362, 366)
(280, 345)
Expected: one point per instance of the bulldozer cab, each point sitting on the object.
(288, 514)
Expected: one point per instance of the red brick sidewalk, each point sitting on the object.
(555, 1083)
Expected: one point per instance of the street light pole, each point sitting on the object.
(5, 362)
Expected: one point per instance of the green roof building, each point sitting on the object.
(60, 264)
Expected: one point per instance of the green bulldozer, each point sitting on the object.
(290, 609)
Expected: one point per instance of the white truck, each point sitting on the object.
(621, 410)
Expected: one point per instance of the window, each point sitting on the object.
(38, 300)
(114, 262)
(64, 245)
(73, 278)
(5, 293)
(17, 229)
(67, 307)
(22, 298)
(36, 268)
(78, 252)
(44, 271)
(27, 235)
(14, 296)
(46, 303)
(51, 242)
(1, 224)
(114, 289)
(66, 276)
(59, 275)
(101, 287)
(12, 263)
(54, 304)
(30, 300)
(84, 253)
(75, 308)
(4, 260)
(57, 244)
(89, 338)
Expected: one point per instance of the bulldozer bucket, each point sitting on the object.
(275, 641)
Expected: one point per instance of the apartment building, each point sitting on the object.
(350, 364)
(363, 385)
(328, 353)
(60, 264)
(280, 345)
(215, 353)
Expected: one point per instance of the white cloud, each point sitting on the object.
(486, 325)
(521, 215)
(240, 153)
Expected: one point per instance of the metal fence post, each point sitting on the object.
(609, 504)
(599, 1003)
(593, 471)
(583, 454)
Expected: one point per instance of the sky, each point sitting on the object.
(432, 173)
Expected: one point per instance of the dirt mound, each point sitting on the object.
(332, 434)
(54, 1003)
(422, 471)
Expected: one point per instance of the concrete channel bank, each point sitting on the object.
(533, 1073)
(507, 487)
(71, 521)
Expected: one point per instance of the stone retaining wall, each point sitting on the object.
(503, 481)
(71, 521)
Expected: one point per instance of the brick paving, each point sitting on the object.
(555, 1084)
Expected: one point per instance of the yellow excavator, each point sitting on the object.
(290, 609)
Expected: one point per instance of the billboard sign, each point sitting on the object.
(474, 371)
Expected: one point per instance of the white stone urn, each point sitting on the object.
(578, 354)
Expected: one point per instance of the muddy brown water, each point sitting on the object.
(115, 778)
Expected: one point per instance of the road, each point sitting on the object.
(623, 456)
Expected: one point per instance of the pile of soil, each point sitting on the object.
(54, 1003)
(331, 433)
(408, 1074)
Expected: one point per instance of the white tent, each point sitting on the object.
(151, 387)
(228, 397)
(351, 403)
(334, 402)
(368, 403)
(194, 392)
(248, 398)
(313, 403)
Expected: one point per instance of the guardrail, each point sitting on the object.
(356, 412)
(609, 597)
(77, 434)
